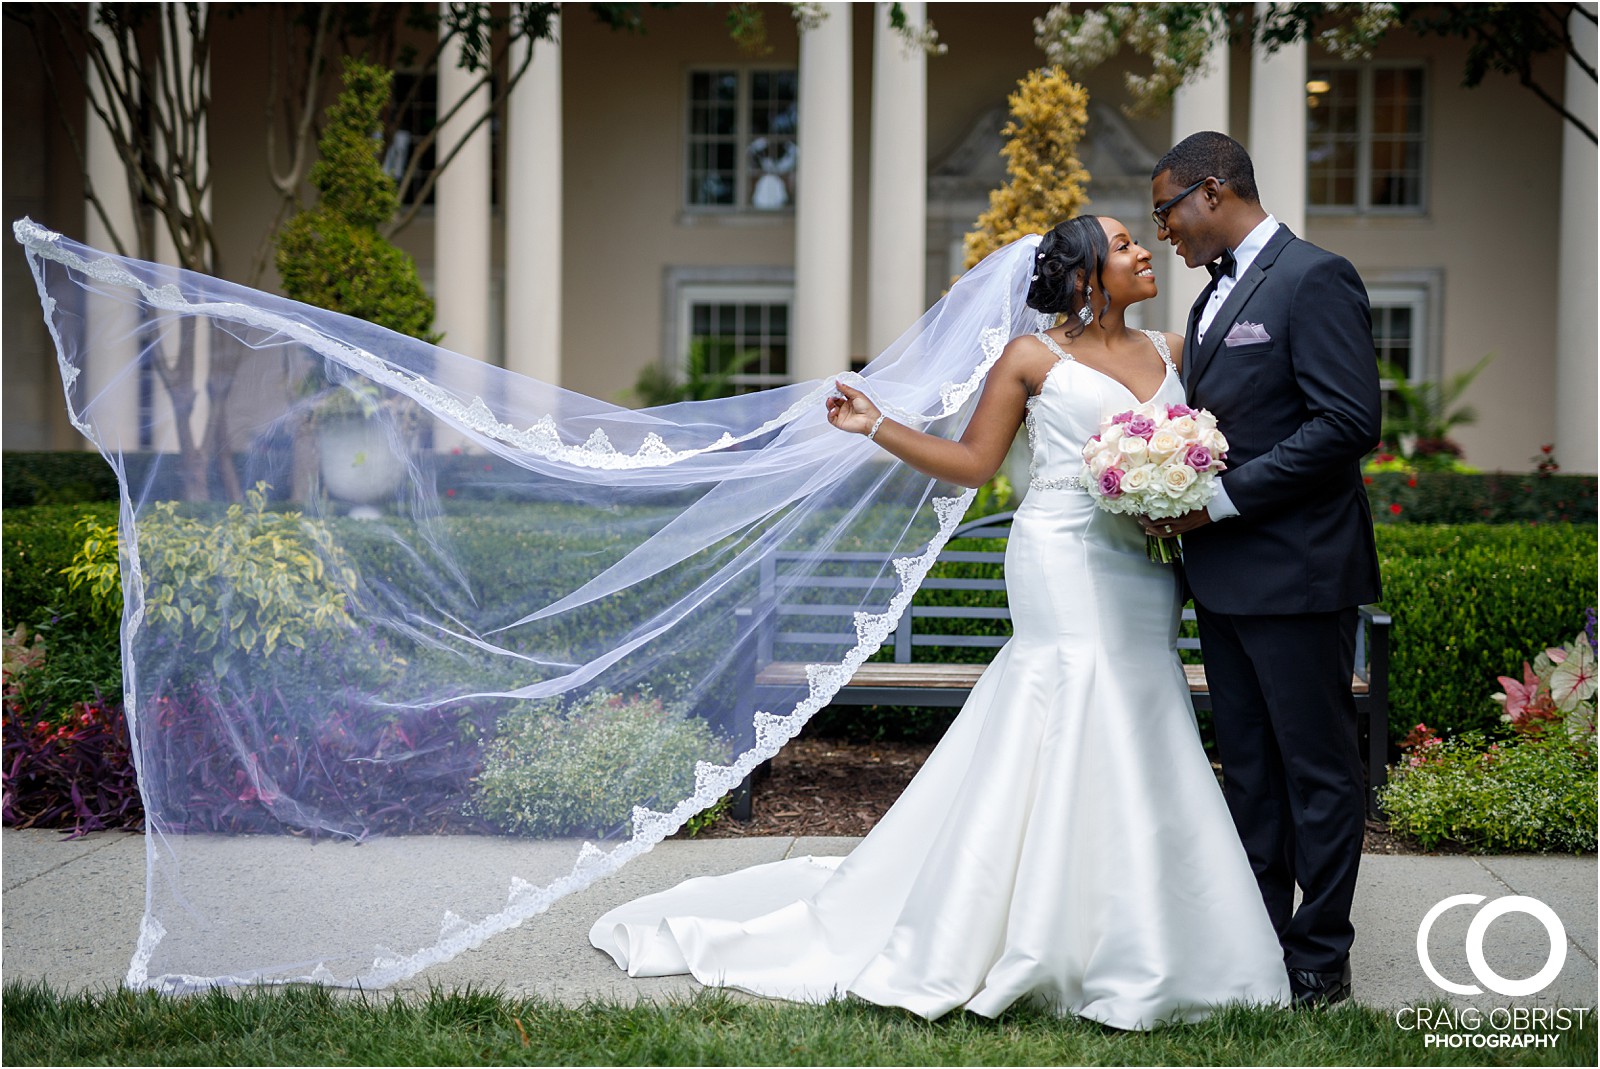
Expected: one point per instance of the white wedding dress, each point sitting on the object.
(1066, 842)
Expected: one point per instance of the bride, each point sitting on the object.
(1066, 842)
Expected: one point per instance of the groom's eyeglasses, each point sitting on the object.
(1160, 214)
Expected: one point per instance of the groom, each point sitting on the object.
(1279, 348)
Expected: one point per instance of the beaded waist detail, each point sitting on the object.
(1065, 482)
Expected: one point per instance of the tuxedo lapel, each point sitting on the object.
(1196, 364)
(1191, 331)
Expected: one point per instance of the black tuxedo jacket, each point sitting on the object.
(1300, 408)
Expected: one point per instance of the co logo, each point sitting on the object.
(1475, 932)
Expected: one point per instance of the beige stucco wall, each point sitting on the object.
(624, 119)
(1490, 230)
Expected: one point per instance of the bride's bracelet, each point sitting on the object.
(873, 433)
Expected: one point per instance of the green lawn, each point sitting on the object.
(303, 1026)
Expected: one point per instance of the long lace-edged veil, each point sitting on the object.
(414, 646)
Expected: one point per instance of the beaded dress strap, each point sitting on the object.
(1159, 340)
(1061, 354)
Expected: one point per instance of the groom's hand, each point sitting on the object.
(1177, 525)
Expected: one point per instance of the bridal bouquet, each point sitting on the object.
(1155, 460)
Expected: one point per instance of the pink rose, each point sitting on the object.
(1199, 458)
(1176, 411)
(1142, 426)
(1122, 417)
(1111, 483)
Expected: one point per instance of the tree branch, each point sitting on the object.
(411, 210)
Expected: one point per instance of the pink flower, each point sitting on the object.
(1122, 417)
(1177, 411)
(1142, 427)
(1199, 458)
(1519, 695)
(1111, 483)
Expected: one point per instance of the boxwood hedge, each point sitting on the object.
(1469, 602)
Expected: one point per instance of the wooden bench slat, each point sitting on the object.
(940, 676)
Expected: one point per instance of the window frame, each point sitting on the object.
(1422, 292)
(1366, 73)
(742, 135)
(687, 286)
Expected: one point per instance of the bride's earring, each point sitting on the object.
(1085, 316)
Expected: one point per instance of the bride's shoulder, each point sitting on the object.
(1027, 349)
(1174, 342)
(1026, 357)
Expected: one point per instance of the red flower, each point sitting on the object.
(450, 493)
(1395, 508)
(1367, 479)
(1412, 482)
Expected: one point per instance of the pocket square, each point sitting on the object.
(1246, 333)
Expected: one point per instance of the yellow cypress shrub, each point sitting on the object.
(1048, 114)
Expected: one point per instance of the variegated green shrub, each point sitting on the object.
(246, 582)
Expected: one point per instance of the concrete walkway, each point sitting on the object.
(71, 914)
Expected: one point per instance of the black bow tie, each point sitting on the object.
(1227, 265)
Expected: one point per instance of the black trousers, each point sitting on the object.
(1291, 768)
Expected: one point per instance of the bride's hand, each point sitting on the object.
(854, 412)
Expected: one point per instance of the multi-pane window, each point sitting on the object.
(742, 148)
(1365, 138)
(417, 98)
(1399, 329)
(736, 336)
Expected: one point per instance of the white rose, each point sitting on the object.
(1163, 444)
(1185, 427)
(1112, 434)
(1134, 448)
(1206, 420)
(1176, 478)
(1216, 443)
(1138, 480)
(1098, 464)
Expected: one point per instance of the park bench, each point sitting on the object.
(791, 623)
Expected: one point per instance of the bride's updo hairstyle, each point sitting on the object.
(1070, 259)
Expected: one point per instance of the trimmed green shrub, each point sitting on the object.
(333, 255)
(580, 769)
(56, 479)
(1468, 603)
(1497, 497)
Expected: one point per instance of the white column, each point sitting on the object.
(1278, 130)
(1199, 104)
(533, 214)
(1576, 386)
(897, 208)
(109, 369)
(821, 343)
(461, 219)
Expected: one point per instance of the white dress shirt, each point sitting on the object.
(1221, 506)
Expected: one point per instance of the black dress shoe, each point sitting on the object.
(1314, 989)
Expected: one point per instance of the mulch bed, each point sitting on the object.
(836, 787)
